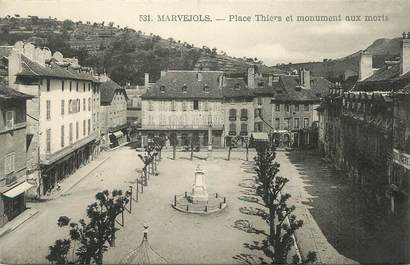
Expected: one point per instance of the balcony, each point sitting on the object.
(14, 127)
(243, 133)
(232, 118)
(10, 178)
(232, 133)
(401, 158)
(244, 118)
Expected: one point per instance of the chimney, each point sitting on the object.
(163, 73)
(251, 77)
(221, 80)
(270, 80)
(365, 65)
(304, 76)
(146, 80)
(405, 53)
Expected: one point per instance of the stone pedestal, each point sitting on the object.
(209, 154)
(199, 192)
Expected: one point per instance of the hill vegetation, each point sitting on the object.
(123, 53)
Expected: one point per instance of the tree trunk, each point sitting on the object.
(99, 257)
(229, 153)
(192, 151)
(174, 152)
(247, 152)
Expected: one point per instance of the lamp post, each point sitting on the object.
(209, 137)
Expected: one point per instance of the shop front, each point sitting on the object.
(12, 201)
(64, 163)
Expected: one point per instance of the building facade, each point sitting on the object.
(13, 182)
(59, 126)
(113, 109)
(238, 109)
(183, 105)
(285, 106)
(366, 130)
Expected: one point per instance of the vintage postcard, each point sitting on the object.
(204, 132)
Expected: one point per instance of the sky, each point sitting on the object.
(273, 42)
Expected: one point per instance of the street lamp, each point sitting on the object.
(209, 136)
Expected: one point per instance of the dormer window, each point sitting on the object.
(260, 84)
(199, 76)
(162, 89)
(206, 88)
(237, 87)
(184, 88)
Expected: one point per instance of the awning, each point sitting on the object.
(260, 136)
(17, 190)
(118, 134)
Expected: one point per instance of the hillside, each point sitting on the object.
(124, 53)
(348, 66)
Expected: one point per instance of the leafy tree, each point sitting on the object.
(282, 222)
(94, 237)
(68, 24)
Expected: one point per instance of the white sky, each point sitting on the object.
(271, 42)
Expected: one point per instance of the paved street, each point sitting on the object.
(344, 217)
(326, 203)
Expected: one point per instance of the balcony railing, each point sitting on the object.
(15, 126)
(244, 118)
(232, 118)
(232, 133)
(10, 178)
(243, 133)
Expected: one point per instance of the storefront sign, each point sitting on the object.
(401, 158)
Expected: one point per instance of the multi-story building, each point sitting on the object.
(134, 104)
(369, 129)
(285, 106)
(400, 178)
(238, 107)
(60, 135)
(113, 113)
(13, 182)
(183, 105)
(96, 112)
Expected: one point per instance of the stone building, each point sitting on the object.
(182, 105)
(367, 133)
(113, 113)
(285, 106)
(238, 108)
(13, 182)
(400, 177)
(60, 136)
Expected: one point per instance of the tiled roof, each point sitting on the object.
(288, 89)
(5, 51)
(173, 82)
(384, 79)
(384, 74)
(9, 93)
(108, 89)
(31, 68)
(236, 87)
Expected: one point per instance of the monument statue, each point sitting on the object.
(199, 192)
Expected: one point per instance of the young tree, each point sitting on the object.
(173, 142)
(282, 222)
(232, 144)
(94, 237)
